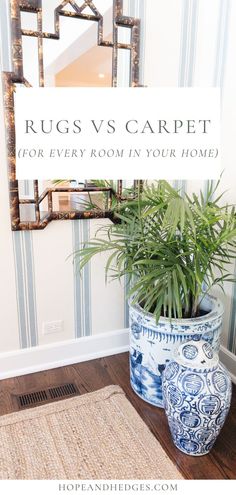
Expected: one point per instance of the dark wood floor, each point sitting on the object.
(92, 375)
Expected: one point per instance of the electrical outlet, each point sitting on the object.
(52, 327)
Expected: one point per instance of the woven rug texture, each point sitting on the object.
(98, 435)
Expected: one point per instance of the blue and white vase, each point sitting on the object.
(197, 393)
(152, 345)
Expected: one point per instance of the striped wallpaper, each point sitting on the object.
(25, 289)
(82, 292)
(184, 43)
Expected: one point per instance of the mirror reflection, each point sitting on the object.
(85, 44)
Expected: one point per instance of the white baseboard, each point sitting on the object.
(229, 360)
(50, 356)
(55, 355)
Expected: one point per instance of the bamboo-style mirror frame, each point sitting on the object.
(11, 79)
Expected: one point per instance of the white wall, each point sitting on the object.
(188, 42)
(38, 283)
(193, 43)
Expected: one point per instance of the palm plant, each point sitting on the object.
(173, 248)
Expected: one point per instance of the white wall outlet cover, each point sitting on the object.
(52, 326)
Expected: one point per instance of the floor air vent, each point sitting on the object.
(47, 395)
(63, 391)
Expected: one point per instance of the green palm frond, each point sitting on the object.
(169, 246)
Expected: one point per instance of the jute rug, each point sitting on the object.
(94, 436)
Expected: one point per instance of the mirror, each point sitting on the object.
(72, 43)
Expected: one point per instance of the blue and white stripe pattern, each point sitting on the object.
(188, 42)
(187, 57)
(222, 43)
(25, 287)
(82, 284)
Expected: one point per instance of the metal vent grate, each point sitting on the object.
(63, 390)
(47, 395)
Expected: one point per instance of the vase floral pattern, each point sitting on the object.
(152, 345)
(197, 394)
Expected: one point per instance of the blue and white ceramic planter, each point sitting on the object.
(197, 395)
(152, 345)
